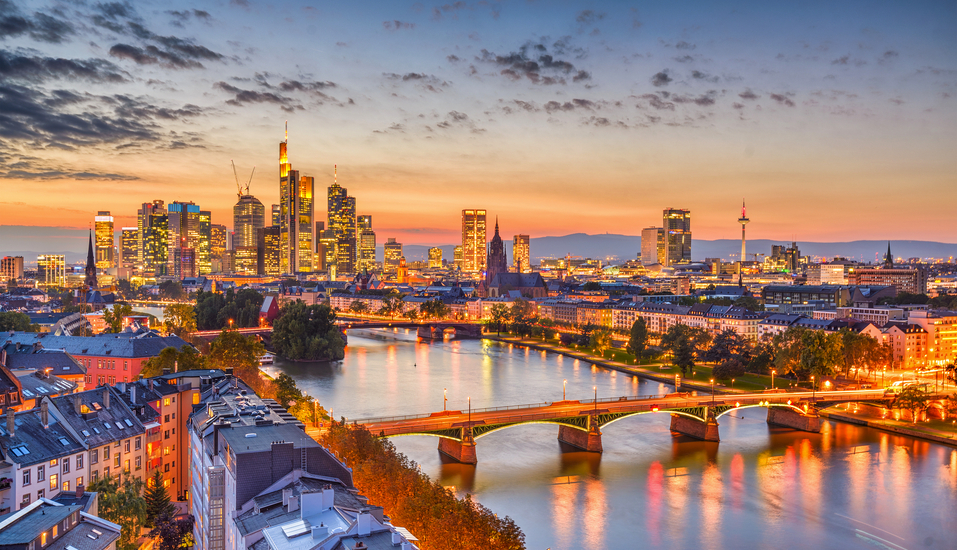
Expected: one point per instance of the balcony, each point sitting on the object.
(5, 483)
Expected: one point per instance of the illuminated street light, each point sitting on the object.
(564, 382)
(445, 398)
(712, 392)
(773, 372)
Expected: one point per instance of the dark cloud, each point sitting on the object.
(455, 119)
(655, 101)
(446, 9)
(699, 75)
(30, 169)
(599, 122)
(588, 17)
(36, 69)
(587, 104)
(783, 99)
(684, 59)
(41, 27)
(242, 97)
(682, 45)
(151, 55)
(748, 94)
(889, 56)
(527, 106)
(240, 3)
(426, 81)
(846, 60)
(397, 25)
(453, 58)
(534, 62)
(581, 76)
(661, 79)
(702, 100)
(737, 105)
(180, 17)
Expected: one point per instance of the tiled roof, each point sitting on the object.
(100, 425)
(114, 345)
(31, 443)
(29, 525)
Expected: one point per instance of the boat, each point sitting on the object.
(267, 359)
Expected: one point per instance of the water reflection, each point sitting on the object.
(761, 487)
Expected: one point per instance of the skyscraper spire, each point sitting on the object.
(286, 140)
(335, 174)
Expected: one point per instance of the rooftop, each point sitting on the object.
(31, 443)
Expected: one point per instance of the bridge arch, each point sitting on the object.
(627, 415)
(506, 426)
(765, 405)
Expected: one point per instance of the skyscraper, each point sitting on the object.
(677, 226)
(217, 244)
(51, 270)
(268, 251)
(328, 252)
(458, 258)
(342, 221)
(11, 267)
(205, 244)
(473, 241)
(366, 259)
(184, 239)
(304, 219)
(652, 246)
(154, 233)
(392, 256)
(435, 257)
(295, 215)
(129, 252)
(103, 225)
(142, 224)
(521, 253)
(276, 216)
(249, 216)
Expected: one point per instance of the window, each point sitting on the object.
(139, 463)
(166, 418)
(166, 401)
(127, 467)
(41, 473)
(54, 481)
(41, 493)
(53, 462)
(25, 500)
(66, 465)
(94, 458)
(94, 476)
(106, 452)
(55, 531)
(127, 444)
(166, 434)
(66, 486)
(106, 472)
(79, 481)
(125, 365)
(166, 467)
(116, 461)
(26, 478)
(139, 444)
(165, 451)
(43, 538)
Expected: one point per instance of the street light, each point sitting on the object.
(230, 324)
(445, 398)
(732, 383)
(596, 397)
(773, 372)
(712, 392)
(564, 382)
(812, 388)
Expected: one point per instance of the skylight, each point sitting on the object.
(85, 433)
(128, 423)
(64, 441)
(107, 424)
(96, 430)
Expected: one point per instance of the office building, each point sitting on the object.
(521, 254)
(129, 251)
(784, 258)
(105, 245)
(652, 246)
(248, 217)
(913, 281)
(143, 216)
(153, 245)
(276, 216)
(204, 248)
(392, 256)
(366, 243)
(342, 221)
(51, 270)
(435, 257)
(246, 260)
(11, 267)
(677, 226)
(217, 243)
(327, 252)
(268, 252)
(826, 274)
(473, 241)
(184, 239)
(458, 258)
(295, 216)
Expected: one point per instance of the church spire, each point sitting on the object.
(888, 258)
(496, 225)
(90, 280)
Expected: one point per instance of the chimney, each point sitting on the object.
(320, 531)
(286, 495)
(106, 397)
(133, 393)
(77, 402)
(10, 423)
(364, 523)
(407, 546)
(293, 504)
(45, 413)
(328, 497)
(396, 538)
(79, 490)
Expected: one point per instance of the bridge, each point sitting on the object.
(424, 329)
(581, 422)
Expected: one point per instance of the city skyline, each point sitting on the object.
(596, 117)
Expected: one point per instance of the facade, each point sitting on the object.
(435, 257)
(473, 241)
(50, 524)
(652, 246)
(521, 253)
(908, 344)
(913, 281)
(204, 247)
(941, 327)
(51, 270)
(497, 261)
(342, 222)
(327, 252)
(89, 280)
(249, 216)
(11, 267)
(458, 258)
(366, 252)
(268, 247)
(677, 227)
(154, 252)
(392, 256)
(530, 284)
(826, 274)
(217, 246)
(129, 253)
(183, 239)
(246, 260)
(103, 227)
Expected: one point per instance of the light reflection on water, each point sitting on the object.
(761, 487)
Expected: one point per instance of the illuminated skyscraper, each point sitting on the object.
(392, 256)
(342, 221)
(652, 246)
(521, 252)
(458, 257)
(249, 215)
(473, 241)
(51, 270)
(184, 239)
(295, 216)
(129, 252)
(103, 225)
(142, 224)
(205, 245)
(677, 226)
(268, 251)
(276, 216)
(328, 252)
(155, 239)
(366, 251)
(217, 244)
(435, 257)
(304, 219)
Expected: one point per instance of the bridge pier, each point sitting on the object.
(460, 451)
(587, 441)
(789, 418)
(705, 431)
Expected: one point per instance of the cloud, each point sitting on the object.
(38, 69)
(783, 99)
(589, 17)
(19, 172)
(451, 8)
(242, 97)
(682, 45)
(41, 27)
(455, 119)
(453, 58)
(748, 94)
(737, 105)
(699, 75)
(703, 100)
(661, 78)
(180, 17)
(887, 57)
(657, 102)
(427, 81)
(152, 55)
(534, 62)
(553, 106)
(397, 25)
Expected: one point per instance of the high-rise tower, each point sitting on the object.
(473, 241)
(677, 227)
(249, 215)
(342, 221)
(521, 256)
(743, 220)
(103, 223)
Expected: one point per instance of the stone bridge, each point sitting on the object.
(580, 423)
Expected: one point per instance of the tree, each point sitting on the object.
(639, 338)
(172, 290)
(522, 311)
(950, 406)
(804, 352)
(157, 499)
(678, 341)
(14, 320)
(913, 399)
(114, 316)
(307, 333)
(358, 306)
(498, 315)
(591, 286)
(175, 360)
(180, 319)
(391, 306)
(435, 309)
(411, 315)
(730, 352)
(600, 340)
(749, 302)
(121, 501)
(762, 358)
(173, 533)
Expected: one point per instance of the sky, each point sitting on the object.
(834, 120)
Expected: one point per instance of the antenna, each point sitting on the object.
(335, 174)
(239, 188)
(287, 132)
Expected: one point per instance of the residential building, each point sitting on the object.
(776, 323)
(826, 274)
(677, 227)
(653, 246)
(105, 246)
(392, 251)
(909, 345)
(521, 253)
(473, 241)
(51, 270)
(11, 267)
(49, 524)
(941, 327)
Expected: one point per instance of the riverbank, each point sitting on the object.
(919, 430)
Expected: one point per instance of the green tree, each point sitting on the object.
(730, 352)
(522, 311)
(411, 315)
(639, 338)
(157, 499)
(678, 341)
(176, 360)
(173, 533)
(121, 501)
(358, 306)
(749, 302)
(762, 358)
(435, 309)
(14, 320)
(913, 399)
(114, 316)
(498, 315)
(391, 306)
(592, 286)
(180, 319)
(307, 333)
(172, 290)
(600, 340)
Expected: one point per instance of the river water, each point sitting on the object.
(760, 487)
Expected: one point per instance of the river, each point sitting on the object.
(760, 487)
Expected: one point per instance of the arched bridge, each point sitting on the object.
(581, 422)
(424, 329)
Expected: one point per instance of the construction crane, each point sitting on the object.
(240, 189)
